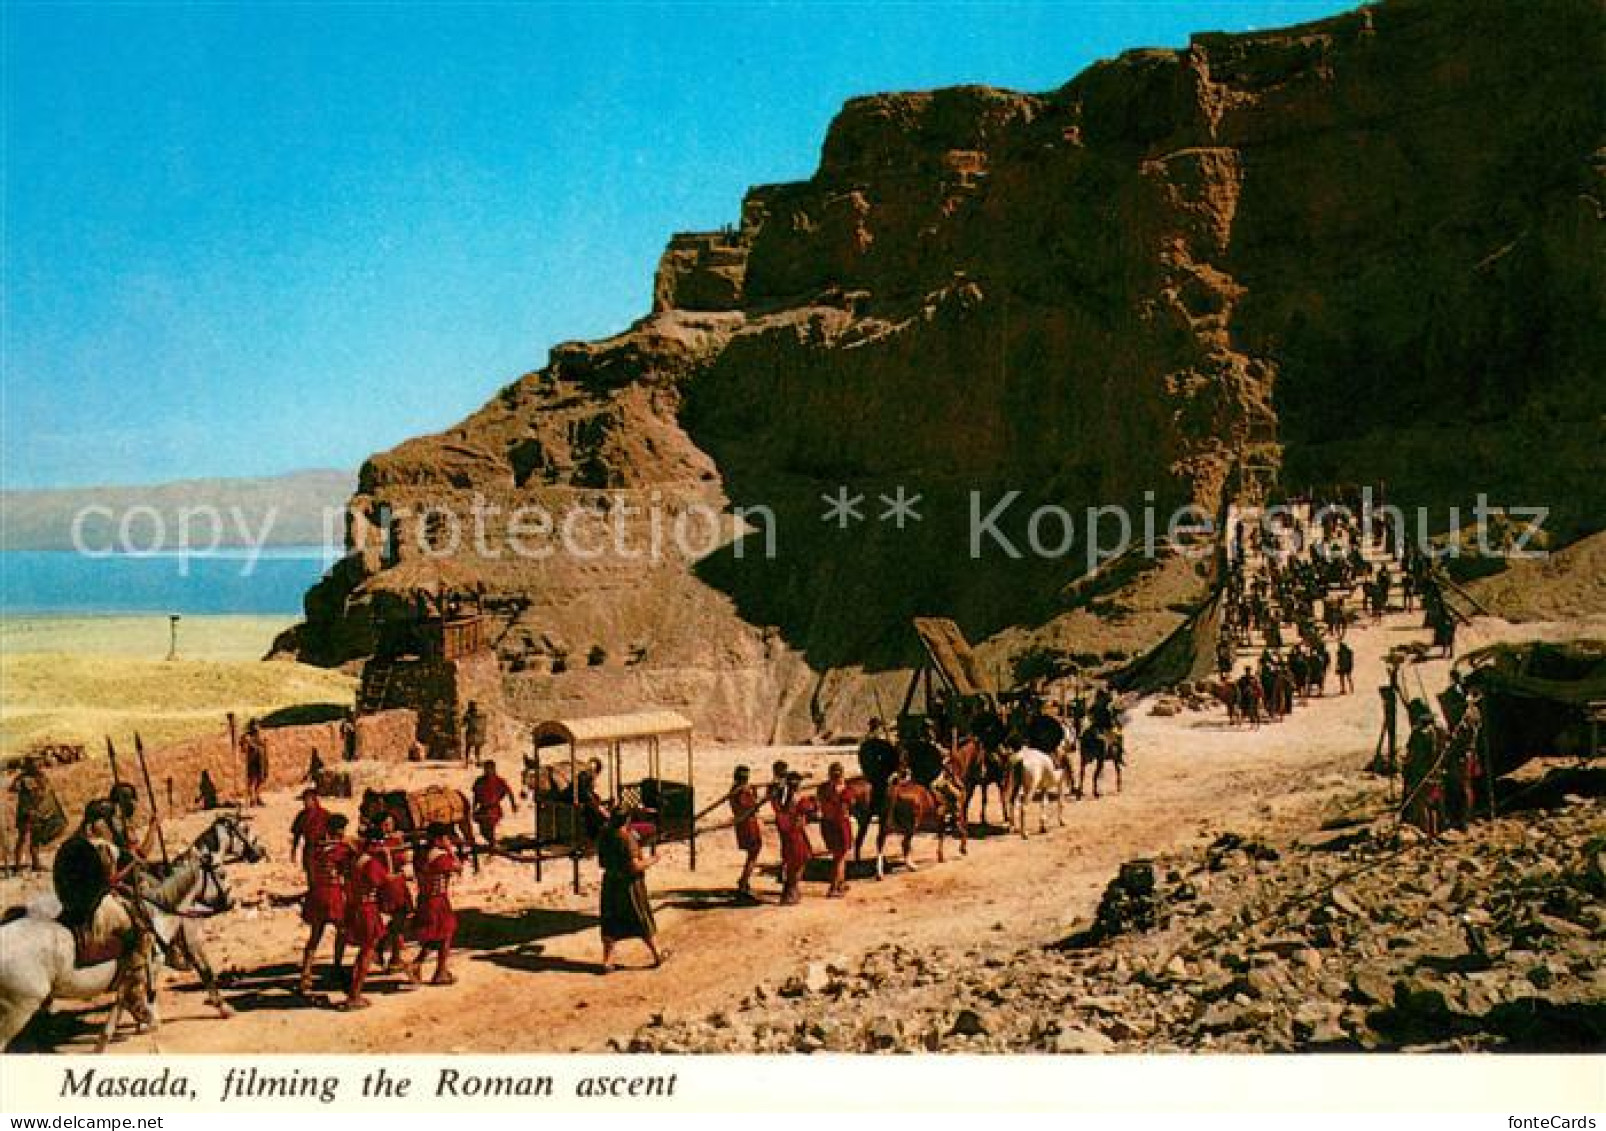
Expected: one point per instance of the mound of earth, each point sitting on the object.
(1362, 249)
(1567, 584)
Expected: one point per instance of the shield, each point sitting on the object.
(81, 878)
(925, 761)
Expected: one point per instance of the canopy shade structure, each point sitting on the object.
(610, 728)
(561, 809)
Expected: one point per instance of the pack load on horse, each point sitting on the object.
(415, 810)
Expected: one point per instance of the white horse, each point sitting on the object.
(1032, 774)
(37, 954)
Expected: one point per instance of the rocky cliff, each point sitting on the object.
(1365, 249)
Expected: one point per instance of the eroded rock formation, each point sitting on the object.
(1362, 249)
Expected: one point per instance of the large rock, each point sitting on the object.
(1366, 247)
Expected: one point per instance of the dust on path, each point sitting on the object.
(526, 967)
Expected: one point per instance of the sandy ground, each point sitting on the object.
(528, 953)
(79, 678)
(144, 636)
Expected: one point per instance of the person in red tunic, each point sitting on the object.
(836, 825)
(745, 804)
(365, 926)
(395, 898)
(309, 828)
(325, 903)
(791, 822)
(490, 790)
(435, 925)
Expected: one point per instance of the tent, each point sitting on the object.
(1187, 653)
(1538, 700)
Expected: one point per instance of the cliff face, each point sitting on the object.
(1363, 249)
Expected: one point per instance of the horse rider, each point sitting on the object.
(95, 877)
(1102, 715)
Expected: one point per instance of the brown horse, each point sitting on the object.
(975, 767)
(861, 794)
(1225, 692)
(911, 807)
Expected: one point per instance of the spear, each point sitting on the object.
(111, 753)
(234, 748)
(150, 791)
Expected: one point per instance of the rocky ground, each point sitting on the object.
(1357, 936)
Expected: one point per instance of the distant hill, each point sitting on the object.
(291, 508)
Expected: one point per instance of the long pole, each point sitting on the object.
(234, 749)
(150, 791)
(111, 754)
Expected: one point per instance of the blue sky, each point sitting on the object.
(244, 239)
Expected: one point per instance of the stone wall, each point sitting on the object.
(386, 736)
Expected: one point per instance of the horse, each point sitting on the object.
(1098, 747)
(1225, 692)
(911, 807)
(41, 954)
(399, 804)
(878, 761)
(1032, 774)
(977, 766)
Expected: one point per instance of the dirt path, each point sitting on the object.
(527, 971)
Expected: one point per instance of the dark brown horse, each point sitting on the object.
(975, 766)
(1225, 692)
(1098, 747)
